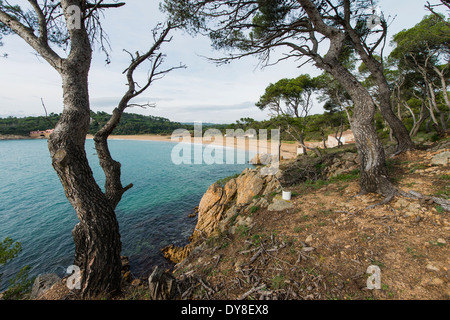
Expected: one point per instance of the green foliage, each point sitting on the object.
(293, 93)
(130, 124)
(223, 182)
(9, 250)
(431, 33)
(20, 285)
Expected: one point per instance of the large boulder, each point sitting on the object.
(43, 283)
(162, 285)
(211, 208)
(441, 159)
(249, 184)
(280, 205)
(220, 204)
(176, 254)
(263, 159)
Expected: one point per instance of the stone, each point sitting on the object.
(280, 205)
(248, 186)
(176, 254)
(263, 159)
(230, 189)
(262, 203)
(442, 241)
(437, 281)
(430, 267)
(309, 239)
(272, 185)
(43, 283)
(441, 159)
(210, 210)
(162, 285)
(210, 198)
(127, 276)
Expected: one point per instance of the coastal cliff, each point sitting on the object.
(222, 204)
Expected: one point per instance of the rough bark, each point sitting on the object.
(96, 237)
(373, 173)
(401, 134)
(112, 169)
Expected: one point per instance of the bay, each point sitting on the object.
(153, 214)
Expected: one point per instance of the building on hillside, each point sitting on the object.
(41, 134)
(347, 138)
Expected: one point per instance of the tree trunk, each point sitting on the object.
(373, 175)
(97, 237)
(302, 142)
(443, 84)
(112, 169)
(401, 134)
(404, 141)
(434, 106)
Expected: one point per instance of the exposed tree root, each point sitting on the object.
(402, 150)
(444, 203)
(386, 200)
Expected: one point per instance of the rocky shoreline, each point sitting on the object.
(232, 235)
(14, 137)
(222, 207)
(248, 241)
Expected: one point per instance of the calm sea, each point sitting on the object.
(153, 214)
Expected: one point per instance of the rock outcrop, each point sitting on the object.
(162, 285)
(43, 283)
(441, 159)
(221, 203)
(221, 206)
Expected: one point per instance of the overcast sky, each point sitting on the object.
(202, 92)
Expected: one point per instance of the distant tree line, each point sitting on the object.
(130, 124)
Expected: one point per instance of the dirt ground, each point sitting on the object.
(322, 248)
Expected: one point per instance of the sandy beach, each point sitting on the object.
(288, 151)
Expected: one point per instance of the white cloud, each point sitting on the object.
(203, 91)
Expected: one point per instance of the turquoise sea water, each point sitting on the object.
(153, 214)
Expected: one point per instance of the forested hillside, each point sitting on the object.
(129, 124)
